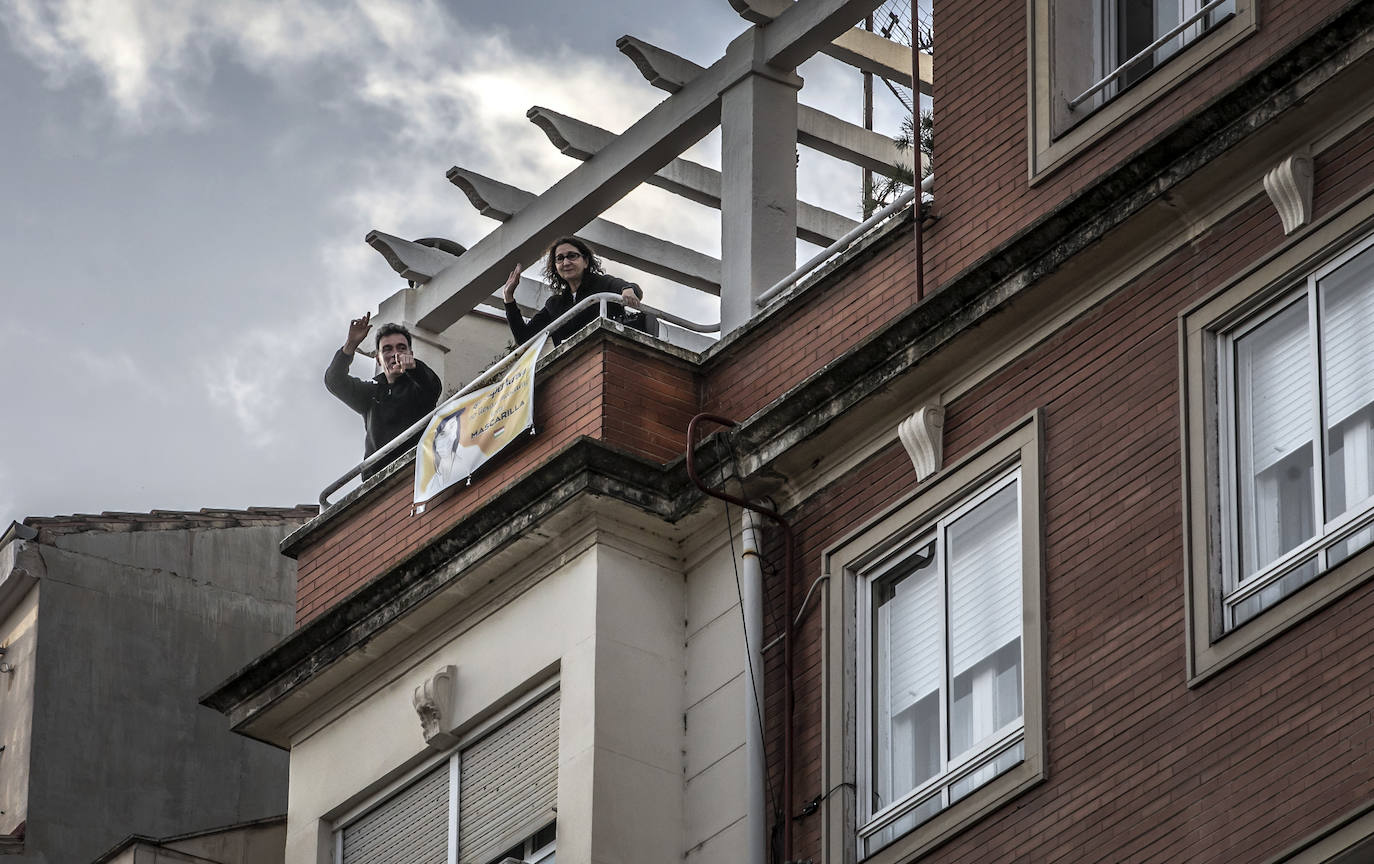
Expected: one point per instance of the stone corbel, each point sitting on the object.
(1289, 185)
(434, 702)
(922, 435)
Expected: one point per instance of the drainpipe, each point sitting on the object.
(751, 605)
(789, 546)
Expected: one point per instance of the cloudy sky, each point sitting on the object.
(185, 190)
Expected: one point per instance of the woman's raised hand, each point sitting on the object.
(508, 290)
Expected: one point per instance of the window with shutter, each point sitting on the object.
(945, 661)
(1278, 422)
(493, 799)
(934, 654)
(1299, 371)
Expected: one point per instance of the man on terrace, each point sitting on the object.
(390, 403)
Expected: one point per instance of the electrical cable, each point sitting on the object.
(748, 655)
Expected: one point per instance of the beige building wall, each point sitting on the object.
(647, 653)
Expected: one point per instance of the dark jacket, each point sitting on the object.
(387, 409)
(562, 301)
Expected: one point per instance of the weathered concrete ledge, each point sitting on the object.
(1014, 267)
(587, 466)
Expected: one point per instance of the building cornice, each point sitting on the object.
(586, 466)
(1011, 269)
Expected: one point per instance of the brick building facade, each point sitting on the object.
(1122, 619)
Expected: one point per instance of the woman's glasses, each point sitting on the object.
(566, 256)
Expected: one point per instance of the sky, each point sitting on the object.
(186, 186)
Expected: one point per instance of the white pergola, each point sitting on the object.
(751, 94)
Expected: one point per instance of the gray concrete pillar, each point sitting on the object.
(758, 213)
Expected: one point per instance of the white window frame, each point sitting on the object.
(1238, 586)
(453, 757)
(849, 564)
(1107, 56)
(1071, 48)
(935, 531)
(1215, 639)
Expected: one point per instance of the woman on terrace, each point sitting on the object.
(574, 272)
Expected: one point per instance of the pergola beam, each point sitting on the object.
(650, 143)
(501, 201)
(818, 130)
(691, 180)
(866, 51)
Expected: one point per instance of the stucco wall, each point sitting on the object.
(19, 636)
(647, 650)
(135, 626)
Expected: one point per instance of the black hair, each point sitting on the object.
(582, 246)
(387, 330)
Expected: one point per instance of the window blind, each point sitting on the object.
(984, 579)
(914, 653)
(411, 827)
(1347, 298)
(1275, 386)
(508, 783)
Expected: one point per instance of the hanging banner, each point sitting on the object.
(474, 427)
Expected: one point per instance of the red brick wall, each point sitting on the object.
(804, 337)
(641, 400)
(981, 121)
(637, 399)
(1141, 768)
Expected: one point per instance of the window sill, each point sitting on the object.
(987, 798)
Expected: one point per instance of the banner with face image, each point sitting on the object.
(469, 430)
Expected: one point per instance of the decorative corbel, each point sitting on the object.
(434, 703)
(1289, 185)
(923, 436)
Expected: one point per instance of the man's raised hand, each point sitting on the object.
(357, 332)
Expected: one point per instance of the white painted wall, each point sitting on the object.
(650, 663)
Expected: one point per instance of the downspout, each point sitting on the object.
(751, 605)
(789, 545)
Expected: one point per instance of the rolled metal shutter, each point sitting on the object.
(411, 827)
(508, 783)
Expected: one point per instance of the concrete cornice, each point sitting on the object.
(585, 467)
(1014, 267)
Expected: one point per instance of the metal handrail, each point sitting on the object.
(839, 245)
(1147, 50)
(602, 299)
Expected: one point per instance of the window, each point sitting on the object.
(1096, 63)
(506, 784)
(944, 671)
(1153, 31)
(1298, 396)
(1285, 396)
(947, 705)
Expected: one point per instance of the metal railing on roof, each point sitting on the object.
(843, 243)
(1163, 40)
(384, 453)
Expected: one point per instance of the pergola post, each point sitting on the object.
(758, 213)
